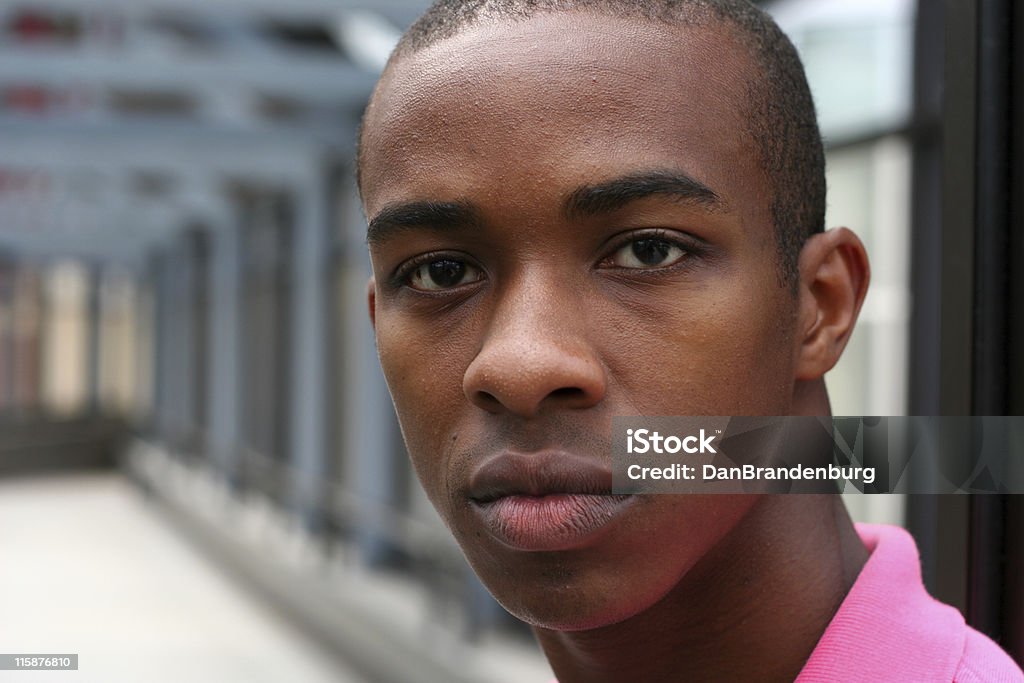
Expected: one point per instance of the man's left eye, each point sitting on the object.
(441, 274)
(647, 253)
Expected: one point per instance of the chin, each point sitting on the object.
(565, 615)
(561, 596)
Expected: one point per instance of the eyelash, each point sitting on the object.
(400, 279)
(689, 246)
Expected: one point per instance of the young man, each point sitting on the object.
(587, 208)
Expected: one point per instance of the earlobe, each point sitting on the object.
(371, 301)
(834, 276)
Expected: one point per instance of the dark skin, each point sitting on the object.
(567, 222)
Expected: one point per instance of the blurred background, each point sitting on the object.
(201, 476)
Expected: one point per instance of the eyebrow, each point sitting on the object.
(606, 197)
(584, 201)
(398, 218)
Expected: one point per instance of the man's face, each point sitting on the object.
(569, 222)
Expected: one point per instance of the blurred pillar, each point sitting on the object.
(161, 286)
(7, 275)
(65, 354)
(197, 240)
(27, 315)
(937, 522)
(182, 345)
(93, 338)
(224, 342)
(374, 460)
(146, 350)
(973, 549)
(308, 394)
(175, 335)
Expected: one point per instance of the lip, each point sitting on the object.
(550, 500)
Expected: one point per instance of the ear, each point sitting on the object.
(371, 301)
(834, 276)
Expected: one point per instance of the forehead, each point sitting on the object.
(559, 100)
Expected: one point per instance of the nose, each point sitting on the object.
(536, 356)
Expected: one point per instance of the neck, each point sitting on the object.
(752, 609)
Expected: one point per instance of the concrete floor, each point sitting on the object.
(87, 567)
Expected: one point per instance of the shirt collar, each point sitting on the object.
(888, 627)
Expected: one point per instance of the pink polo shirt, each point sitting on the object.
(889, 629)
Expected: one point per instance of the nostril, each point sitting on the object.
(488, 400)
(566, 393)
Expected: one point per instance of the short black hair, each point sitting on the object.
(780, 114)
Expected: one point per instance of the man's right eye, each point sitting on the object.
(442, 273)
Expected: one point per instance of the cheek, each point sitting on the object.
(720, 354)
(424, 376)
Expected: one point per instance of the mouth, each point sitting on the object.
(545, 501)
